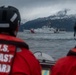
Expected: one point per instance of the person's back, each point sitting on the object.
(15, 56)
(66, 65)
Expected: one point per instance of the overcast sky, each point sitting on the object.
(32, 9)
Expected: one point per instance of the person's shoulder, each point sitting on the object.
(26, 53)
(61, 60)
(17, 38)
(28, 56)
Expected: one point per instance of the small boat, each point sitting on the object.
(46, 61)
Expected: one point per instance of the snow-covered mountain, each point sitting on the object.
(59, 20)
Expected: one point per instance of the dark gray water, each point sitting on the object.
(56, 45)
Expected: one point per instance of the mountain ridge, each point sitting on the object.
(61, 21)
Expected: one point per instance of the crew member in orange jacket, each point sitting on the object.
(15, 56)
(66, 65)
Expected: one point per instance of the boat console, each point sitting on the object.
(46, 61)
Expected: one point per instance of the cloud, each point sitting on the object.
(31, 9)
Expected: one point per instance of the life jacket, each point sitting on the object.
(8, 47)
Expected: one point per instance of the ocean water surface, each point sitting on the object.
(57, 45)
